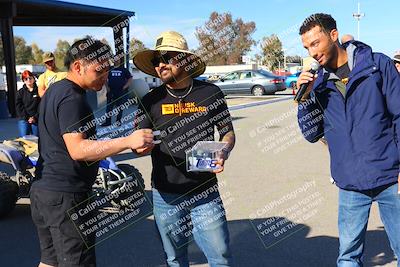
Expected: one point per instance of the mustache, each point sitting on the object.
(164, 68)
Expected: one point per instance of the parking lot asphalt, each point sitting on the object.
(280, 205)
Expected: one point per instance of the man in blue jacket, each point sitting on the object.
(354, 101)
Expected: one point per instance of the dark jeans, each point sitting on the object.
(26, 128)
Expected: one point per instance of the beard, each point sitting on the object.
(332, 56)
(168, 76)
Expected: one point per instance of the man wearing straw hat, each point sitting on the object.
(186, 204)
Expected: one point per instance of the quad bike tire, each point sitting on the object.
(8, 194)
(124, 199)
(130, 170)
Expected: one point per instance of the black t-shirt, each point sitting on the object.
(64, 109)
(181, 127)
(343, 71)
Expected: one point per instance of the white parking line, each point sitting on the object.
(259, 103)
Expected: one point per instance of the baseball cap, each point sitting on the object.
(397, 58)
(48, 56)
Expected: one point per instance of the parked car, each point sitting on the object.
(256, 82)
(291, 80)
(203, 78)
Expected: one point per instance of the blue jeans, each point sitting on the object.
(180, 218)
(354, 210)
(26, 128)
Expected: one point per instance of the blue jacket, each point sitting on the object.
(361, 127)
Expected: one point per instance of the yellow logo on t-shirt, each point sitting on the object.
(167, 109)
(181, 108)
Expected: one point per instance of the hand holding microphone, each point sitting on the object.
(305, 82)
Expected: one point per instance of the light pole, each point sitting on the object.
(358, 17)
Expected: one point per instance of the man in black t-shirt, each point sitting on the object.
(185, 111)
(69, 154)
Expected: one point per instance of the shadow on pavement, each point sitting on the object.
(287, 93)
(297, 249)
(139, 245)
(237, 118)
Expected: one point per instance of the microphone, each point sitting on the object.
(300, 93)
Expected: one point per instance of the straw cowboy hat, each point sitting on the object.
(169, 41)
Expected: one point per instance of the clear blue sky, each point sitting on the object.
(380, 28)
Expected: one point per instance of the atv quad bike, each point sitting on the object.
(22, 154)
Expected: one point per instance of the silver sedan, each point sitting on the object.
(256, 82)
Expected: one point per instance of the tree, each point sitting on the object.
(37, 54)
(23, 52)
(258, 58)
(61, 52)
(223, 40)
(135, 45)
(272, 52)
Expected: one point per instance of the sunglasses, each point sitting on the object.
(28, 78)
(396, 62)
(165, 58)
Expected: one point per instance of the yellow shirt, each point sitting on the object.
(49, 77)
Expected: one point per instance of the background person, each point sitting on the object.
(51, 75)
(357, 91)
(119, 80)
(27, 105)
(347, 37)
(396, 60)
(177, 108)
(69, 156)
